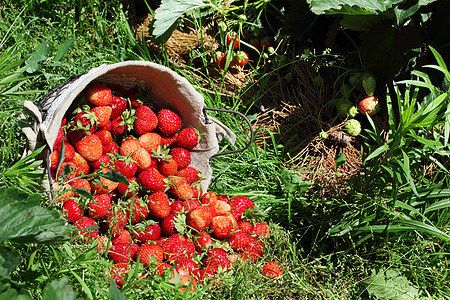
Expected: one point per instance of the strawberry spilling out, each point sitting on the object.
(123, 178)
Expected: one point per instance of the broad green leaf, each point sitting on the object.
(351, 7)
(61, 51)
(115, 176)
(59, 289)
(403, 14)
(361, 23)
(9, 261)
(390, 284)
(25, 221)
(37, 57)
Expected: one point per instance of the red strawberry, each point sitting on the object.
(240, 240)
(106, 139)
(81, 183)
(99, 94)
(272, 270)
(146, 231)
(90, 147)
(147, 252)
(240, 58)
(59, 139)
(137, 210)
(99, 207)
(118, 273)
(120, 253)
(101, 185)
(191, 174)
(177, 247)
(125, 166)
(168, 122)
(85, 122)
(118, 126)
(168, 140)
(216, 258)
(266, 42)
(158, 205)
(81, 163)
(152, 180)
(261, 229)
(191, 204)
(252, 251)
(118, 106)
(54, 159)
(131, 189)
(219, 207)
(167, 167)
(103, 114)
(239, 205)
(73, 170)
(188, 138)
(200, 218)
(150, 141)
(230, 216)
(208, 197)
(64, 194)
(102, 162)
(187, 267)
(69, 152)
(233, 39)
(369, 105)
(116, 219)
(220, 59)
(168, 224)
(246, 227)
(123, 238)
(87, 228)
(146, 121)
(72, 211)
(221, 227)
(182, 156)
(202, 241)
(180, 187)
(161, 268)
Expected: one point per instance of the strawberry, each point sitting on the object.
(147, 252)
(191, 204)
(180, 187)
(137, 210)
(352, 127)
(208, 197)
(233, 39)
(200, 218)
(119, 273)
(369, 105)
(191, 174)
(125, 165)
(168, 121)
(246, 227)
(168, 224)
(99, 94)
(150, 141)
(240, 240)
(72, 170)
(72, 211)
(103, 114)
(216, 258)
(186, 266)
(63, 195)
(87, 228)
(252, 251)
(129, 190)
(202, 241)
(90, 147)
(118, 126)
(106, 138)
(102, 244)
(177, 247)
(99, 207)
(102, 162)
(272, 270)
(146, 121)
(221, 227)
(188, 138)
(266, 42)
(123, 238)
(177, 206)
(143, 159)
(161, 268)
(168, 140)
(118, 106)
(219, 207)
(101, 185)
(220, 59)
(152, 180)
(158, 205)
(182, 156)
(69, 152)
(239, 205)
(134, 94)
(146, 231)
(129, 146)
(120, 253)
(107, 126)
(81, 163)
(261, 229)
(59, 139)
(167, 167)
(240, 58)
(116, 219)
(85, 121)
(230, 216)
(54, 159)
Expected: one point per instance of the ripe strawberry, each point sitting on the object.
(252, 251)
(118, 126)
(233, 39)
(152, 180)
(216, 258)
(168, 141)
(87, 228)
(168, 224)
(120, 253)
(102, 244)
(106, 138)
(272, 270)
(240, 240)
(103, 114)
(167, 167)
(246, 227)
(190, 173)
(64, 194)
(180, 187)
(239, 205)
(72, 211)
(59, 139)
(168, 121)
(81, 163)
(90, 147)
(147, 252)
(158, 205)
(119, 273)
(177, 247)
(221, 227)
(129, 146)
(101, 185)
(202, 241)
(230, 216)
(143, 159)
(208, 197)
(146, 121)
(99, 207)
(72, 170)
(69, 152)
(240, 58)
(219, 207)
(137, 210)
(200, 218)
(125, 166)
(118, 106)
(186, 267)
(220, 59)
(182, 156)
(188, 138)
(369, 105)
(129, 190)
(150, 141)
(191, 204)
(102, 162)
(85, 122)
(146, 231)
(99, 94)
(116, 219)
(161, 268)
(261, 229)
(54, 159)
(123, 238)
(107, 126)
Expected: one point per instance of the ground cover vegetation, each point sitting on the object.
(348, 103)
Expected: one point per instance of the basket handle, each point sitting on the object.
(236, 113)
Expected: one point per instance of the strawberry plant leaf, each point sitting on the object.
(60, 52)
(115, 176)
(351, 7)
(37, 57)
(59, 289)
(25, 221)
(390, 284)
(9, 261)
(114, 292)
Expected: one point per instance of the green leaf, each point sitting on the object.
(351, 7)
(59, 289)
(390, 284)
(115, 176)
(114, 292)
(443, 204)
(361, 23)
(168, 13)
(340, 159)
(403, 14)
(425, 228)
(9, 261)
(61, 51)
(25, 221)
(37, 57)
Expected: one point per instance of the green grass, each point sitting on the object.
(328, 246)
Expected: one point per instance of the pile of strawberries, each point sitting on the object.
(122, 177)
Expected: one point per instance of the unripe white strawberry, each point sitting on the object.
(353, 127)
(369, 105)
(369, 83)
